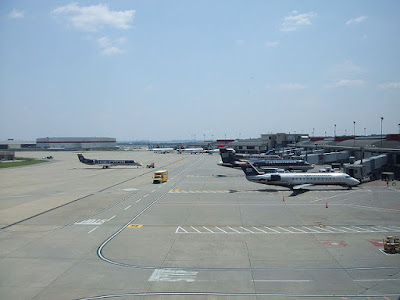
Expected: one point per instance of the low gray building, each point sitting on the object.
(71, 143)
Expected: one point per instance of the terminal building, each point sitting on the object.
(76, 143)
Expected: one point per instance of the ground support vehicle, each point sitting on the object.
(160, 176)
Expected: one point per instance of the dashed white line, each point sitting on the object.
(93, 229)
(153, 191)
(127, 207)
(139, 200)
(111, 218)
(145, 195)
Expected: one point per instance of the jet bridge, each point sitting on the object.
(366, 168)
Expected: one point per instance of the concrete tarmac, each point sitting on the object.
(73, 231)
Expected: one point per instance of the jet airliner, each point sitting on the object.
(297, 181)
(230, 159)
(106, 163)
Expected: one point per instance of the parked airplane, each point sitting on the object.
(107, 163)
(162, 150)
(270, 155)
(297, 181)
(190, 150)
(230, 159)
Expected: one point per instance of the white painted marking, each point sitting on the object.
(324, 229)
(350, 229)
(173, 275)
(312, 230)
(384, 228)
(127, 207)
(220, 229)
(180, 228)
(284, 229)
(91, 222)
(298, 229)
(139, 200)
(271, 229)
(361, 229)
(159, 186)
(145, 195)
(130, 189)
(111, 218)
(259, 229)
(281, 280)
(381, 250)
(388, 279)
(195, 229)
(153, 191)
(246, 229)
(93, 229)
(208, 229)
(233, 229)
(340, 230)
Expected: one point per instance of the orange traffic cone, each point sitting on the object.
(326, 205)
(283, 200)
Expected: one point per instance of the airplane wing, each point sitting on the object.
(302, 186)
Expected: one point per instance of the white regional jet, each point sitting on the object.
(190, 150)
(105, 163)
(162, 150)
(297, 181)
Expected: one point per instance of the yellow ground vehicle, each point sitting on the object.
(391, 244)
(160, 176)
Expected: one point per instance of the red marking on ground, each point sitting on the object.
(334, 244)
(376, 243)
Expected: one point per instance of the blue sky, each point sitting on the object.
(163, 70)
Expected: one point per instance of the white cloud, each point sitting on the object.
(389, 86)
(292, 86)
(16, 14)
(94, 17)
(295, 20)
(347, 69)
(271, 44)
(357, 20)
(108, 46)
(347, 83)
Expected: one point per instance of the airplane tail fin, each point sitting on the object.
(250, 170)
(227, 155)
(81, 158)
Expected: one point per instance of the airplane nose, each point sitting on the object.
(356, 182)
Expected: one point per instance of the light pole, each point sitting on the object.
(365, 131)
(334, 132)
(354, 132)
(381, 130)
